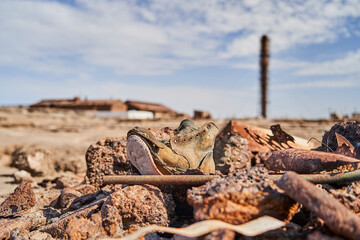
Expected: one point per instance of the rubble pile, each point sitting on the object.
(241, 190)
(241, 196)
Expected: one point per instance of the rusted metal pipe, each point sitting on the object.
(197, 180)
(335, 215)
(308, 161)
(327, 178)
(174, 180)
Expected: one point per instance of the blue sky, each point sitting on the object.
(185, 54)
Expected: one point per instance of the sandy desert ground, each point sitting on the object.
(69, 133)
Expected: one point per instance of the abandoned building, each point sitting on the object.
(78, 104)
(159, 111)
(201, 115)
(128, 110)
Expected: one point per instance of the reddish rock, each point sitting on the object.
(19, 227)
(45, 197)
(136, 206)
(240, 197)
(67, 196)
(7, 226)
(22, 199)
(106, 157)
(231, 152)
(82, 228)
(59, 228)
(65, 182)
(36, 235)
(349, 196)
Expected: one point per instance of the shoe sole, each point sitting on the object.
(140, 156)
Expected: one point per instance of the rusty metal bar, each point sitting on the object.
(174, 180)
(335, 215)
(197, 180)
(327, 178)
(308, 161)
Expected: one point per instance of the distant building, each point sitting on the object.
(201, 115)
(356, 116)
(78, 104)
(159, 111)
(338, 117)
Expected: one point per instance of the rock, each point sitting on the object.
(73, 164)
(349, 196)
(22, 199)
(64, 182)
(240, 197)
(38, 161)
(79, 193)
(22, 176)
(106, 157)
(45, 197)
(18, 228)
(85, 199)
(67, 196)
(232, 152)
(62, 228)
(136, 206)
(83, 228)
(36, 235)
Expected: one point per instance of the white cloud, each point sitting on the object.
(350, 64)
(159, 37)
(324, 83)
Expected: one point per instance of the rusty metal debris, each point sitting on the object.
(307, 161)
(252, 228)
(344, 146)
(172, 180)
(335, 215)
(343, 141)
(263, 140)
(197, 180)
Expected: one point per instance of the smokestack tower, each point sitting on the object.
(264, 65)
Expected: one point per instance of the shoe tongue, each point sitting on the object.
(195, 144)
(186, 126)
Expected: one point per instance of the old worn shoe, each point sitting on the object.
(190, 148)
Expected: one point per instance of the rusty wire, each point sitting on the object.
(197, 180)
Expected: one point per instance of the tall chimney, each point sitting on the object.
(264, 64)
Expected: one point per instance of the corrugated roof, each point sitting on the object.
(75, 102)
(145, 106)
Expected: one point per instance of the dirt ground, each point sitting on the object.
(69, 133)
